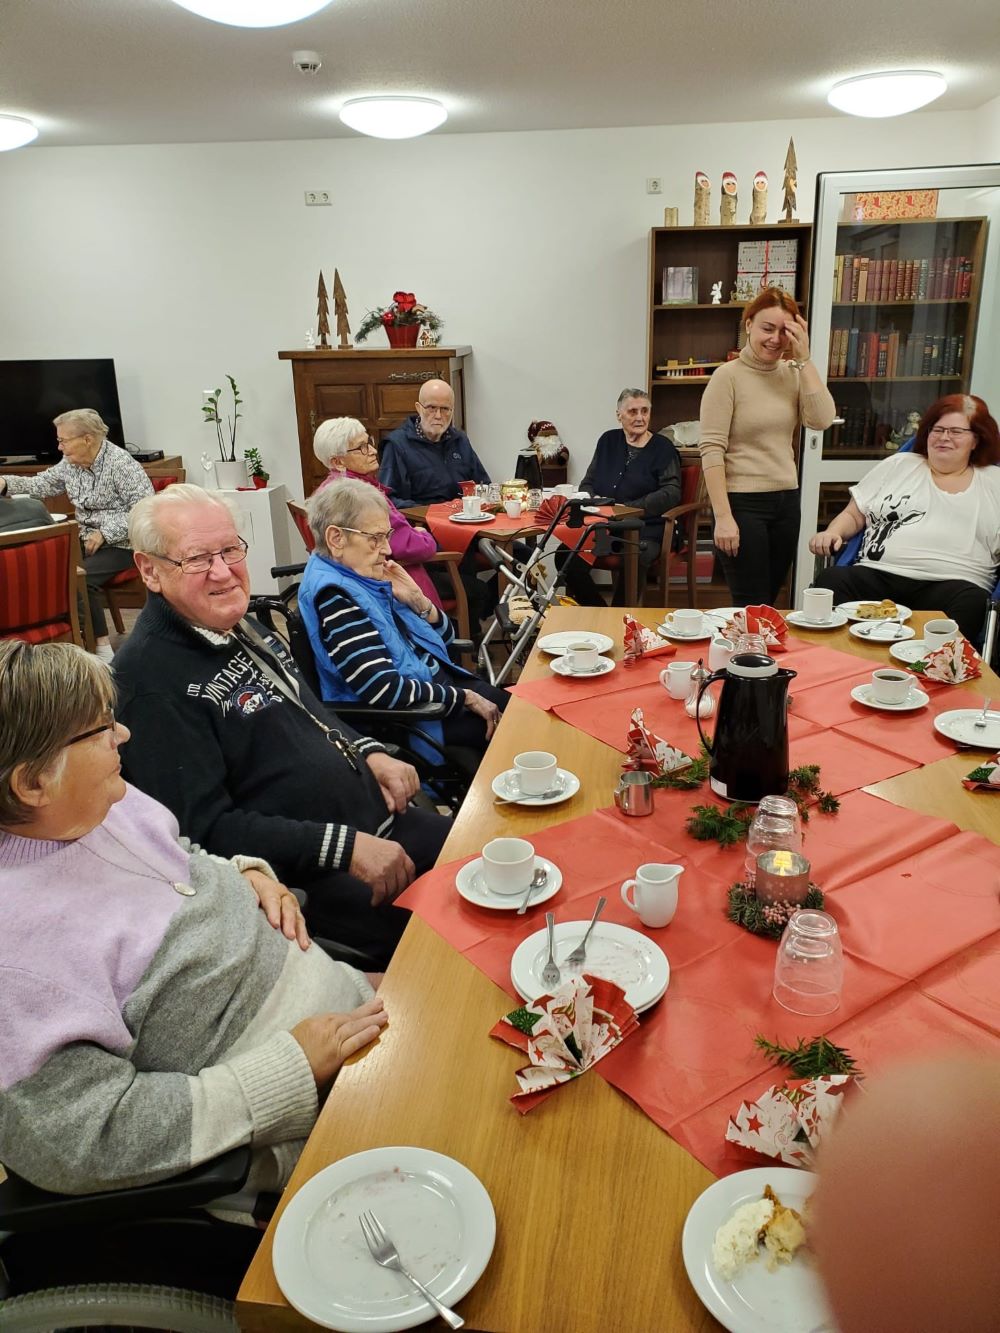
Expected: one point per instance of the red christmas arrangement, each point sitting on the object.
(405, 313)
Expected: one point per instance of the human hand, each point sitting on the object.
(383, 865)
(797, 338)
(399, 781)
(404, 588)
(328, 1039)
(279, 905)
(483, 708)
(825, 543)
(92, 542)
(727, 535)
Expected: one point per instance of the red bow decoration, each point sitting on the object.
(404, 301)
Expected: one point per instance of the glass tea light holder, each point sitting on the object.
(782, 877)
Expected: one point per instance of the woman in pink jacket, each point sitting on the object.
(343, 445)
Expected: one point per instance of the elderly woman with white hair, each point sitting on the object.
(102, 482)
(376, 637)
(343, 445)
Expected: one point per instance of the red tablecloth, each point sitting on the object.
(459, 536)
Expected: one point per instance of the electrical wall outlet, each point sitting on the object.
(318, 198)
(654, 184)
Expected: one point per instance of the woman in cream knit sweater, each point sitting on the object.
(751, 413)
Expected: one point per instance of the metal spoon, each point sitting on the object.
(537, 881)
(527, 797)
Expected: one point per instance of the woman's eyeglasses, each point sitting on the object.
(367, 448)
(949, 432)
(375, 539)
(110, 725)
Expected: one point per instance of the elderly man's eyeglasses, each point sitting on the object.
(203, 562)
(367, 448)
(110, 725)
(949, 432)
(375, 539)
(436, 409)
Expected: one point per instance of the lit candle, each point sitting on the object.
(782, 877)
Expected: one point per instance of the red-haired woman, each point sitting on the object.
(931, 519)
(751, 412)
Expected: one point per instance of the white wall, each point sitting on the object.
(185, 262)
(989, 119)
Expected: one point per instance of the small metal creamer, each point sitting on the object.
(634, 794)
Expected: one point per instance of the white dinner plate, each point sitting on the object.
(435, 1210)
(617, 953)
(723, 614)
(709, 628)
(471, 884)
(885, 631)
(472, 518)
(560, 666)
(903, 613)
(958, 726)
(838, 619)
(557, 644)
(789, 1300)
(505, 785)
(864, 694)
(914, 651)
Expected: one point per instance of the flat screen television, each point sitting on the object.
(33, 392)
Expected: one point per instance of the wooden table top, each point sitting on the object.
(587, 1175)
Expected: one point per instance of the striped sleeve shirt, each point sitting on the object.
(357, 651)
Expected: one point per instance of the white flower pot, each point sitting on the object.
(230, 476)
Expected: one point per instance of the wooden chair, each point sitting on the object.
(39, 584)
(126, 588)
(455, 606)
(682, 519)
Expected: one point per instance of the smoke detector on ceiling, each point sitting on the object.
(307, 62)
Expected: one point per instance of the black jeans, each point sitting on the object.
(98, 568)
(769, 529)
(964, 602)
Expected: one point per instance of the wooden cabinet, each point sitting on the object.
(378, 387)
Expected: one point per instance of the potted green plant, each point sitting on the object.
(402, 321)
(229, 473)
(255, 467)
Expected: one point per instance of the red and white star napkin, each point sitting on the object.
(648, 753)
(985, 775)
(951, 663)
(789, 1120)
(762, 620)
(640, 641)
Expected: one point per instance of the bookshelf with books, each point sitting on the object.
(902, 325)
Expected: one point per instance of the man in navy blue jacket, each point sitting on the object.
(425, 460)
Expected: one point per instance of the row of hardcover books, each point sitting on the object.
(858, 278)
(862, 428)
(892, 355)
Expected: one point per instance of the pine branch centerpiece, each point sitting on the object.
(405, 312)
(745, 909)
(809, 1059)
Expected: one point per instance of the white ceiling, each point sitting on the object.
(147, 71)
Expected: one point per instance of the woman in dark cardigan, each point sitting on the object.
(636, 468)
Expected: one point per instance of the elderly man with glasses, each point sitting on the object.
(226, 734)
(425, 460)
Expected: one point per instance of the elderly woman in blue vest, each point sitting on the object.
(377, 638)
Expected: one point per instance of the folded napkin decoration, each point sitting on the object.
(648, 753)
(762, 620)
(952, 663)
(640, 641)
(564, 1034)
(985, 775)
(789, 1120)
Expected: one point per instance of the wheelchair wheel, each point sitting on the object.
(117, 1305)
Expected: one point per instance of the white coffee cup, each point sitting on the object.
(676, 679)
(686, 621)
(654, 893)
(719, 653)
(565, 489)
(508, 865)
(513, 508)
(817, 605)
(939, 632)
(582, 656)
(890, 686)
(536, 771)
(472, 505)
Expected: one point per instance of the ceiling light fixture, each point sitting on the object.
(254, 13)
(15, 132)
(892, 93)
(393, 117)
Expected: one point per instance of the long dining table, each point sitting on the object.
(590, 1195)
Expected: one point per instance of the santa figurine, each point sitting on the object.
(727, 209)
(544, 439)
(758, 206)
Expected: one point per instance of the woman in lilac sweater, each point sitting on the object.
(344, 447)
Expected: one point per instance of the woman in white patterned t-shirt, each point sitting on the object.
(931, 519)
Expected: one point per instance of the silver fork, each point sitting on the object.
(386, 1254)
(550, 972)
(579, 954)
(980, 722)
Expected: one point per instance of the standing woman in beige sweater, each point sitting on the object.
(751, 413)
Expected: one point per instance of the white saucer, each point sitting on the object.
(437, 1212)
(558, 643)
(862, 694)
(472, 886)
(914, 651)
(560, 667)
(837, 620)
(851, 610)
(789, 1300)
(706, 632)
(723, 614)
(618, 953)
(505, 786)
(885, 631)
(958, 726)
(472, 518)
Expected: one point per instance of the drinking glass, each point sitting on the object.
(776, 826)
(534, 500)
(750, 643)
(483, 492)
(493, 492)
(809, 967)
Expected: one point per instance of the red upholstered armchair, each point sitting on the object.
(126, 588)
(683, 519)
(39, 584)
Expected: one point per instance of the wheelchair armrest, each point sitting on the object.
(420, 712)
(289, 571)
(25, 1207)
(462, 645)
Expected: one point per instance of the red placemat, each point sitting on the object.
(459, 536)
(912, 734)
(551, 692)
